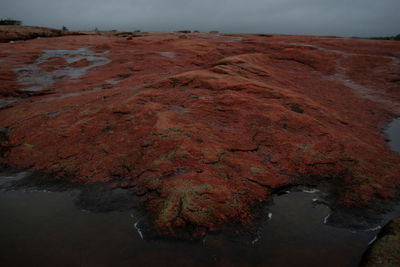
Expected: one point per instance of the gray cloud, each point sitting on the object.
(319, 17)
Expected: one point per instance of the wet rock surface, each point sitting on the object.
(55, 65)
(393, 133)
(386, 250)
(205, 128)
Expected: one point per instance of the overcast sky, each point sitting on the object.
(319, 17)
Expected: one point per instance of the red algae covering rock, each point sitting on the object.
(80, 63)
(208, 126)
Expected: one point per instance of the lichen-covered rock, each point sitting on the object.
(206, 127)
(385, 251)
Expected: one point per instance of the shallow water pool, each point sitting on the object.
(393, 133)
(44, 228)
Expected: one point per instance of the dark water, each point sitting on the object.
(393, 132)
(44, 228)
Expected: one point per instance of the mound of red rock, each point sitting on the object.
(205, 126)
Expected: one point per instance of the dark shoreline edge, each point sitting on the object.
(101, 197)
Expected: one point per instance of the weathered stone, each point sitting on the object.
(385, 251)
(209, 133)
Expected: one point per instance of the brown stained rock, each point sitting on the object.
(208, 134)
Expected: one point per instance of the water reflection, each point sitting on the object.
(44, 228)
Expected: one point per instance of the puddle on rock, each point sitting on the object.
(6, 101)
(393, 133)
(40, 79)
(44, 228)
(167, 54)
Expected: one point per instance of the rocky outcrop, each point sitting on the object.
(385, 251)
(16, 33)
(206, 127)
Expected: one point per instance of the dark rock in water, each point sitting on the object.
(101, 198)
(385, 251)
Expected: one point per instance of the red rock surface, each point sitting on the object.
(206, 126)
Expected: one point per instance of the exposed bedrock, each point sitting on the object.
(206, 127)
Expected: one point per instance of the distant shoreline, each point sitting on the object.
(10, 33)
